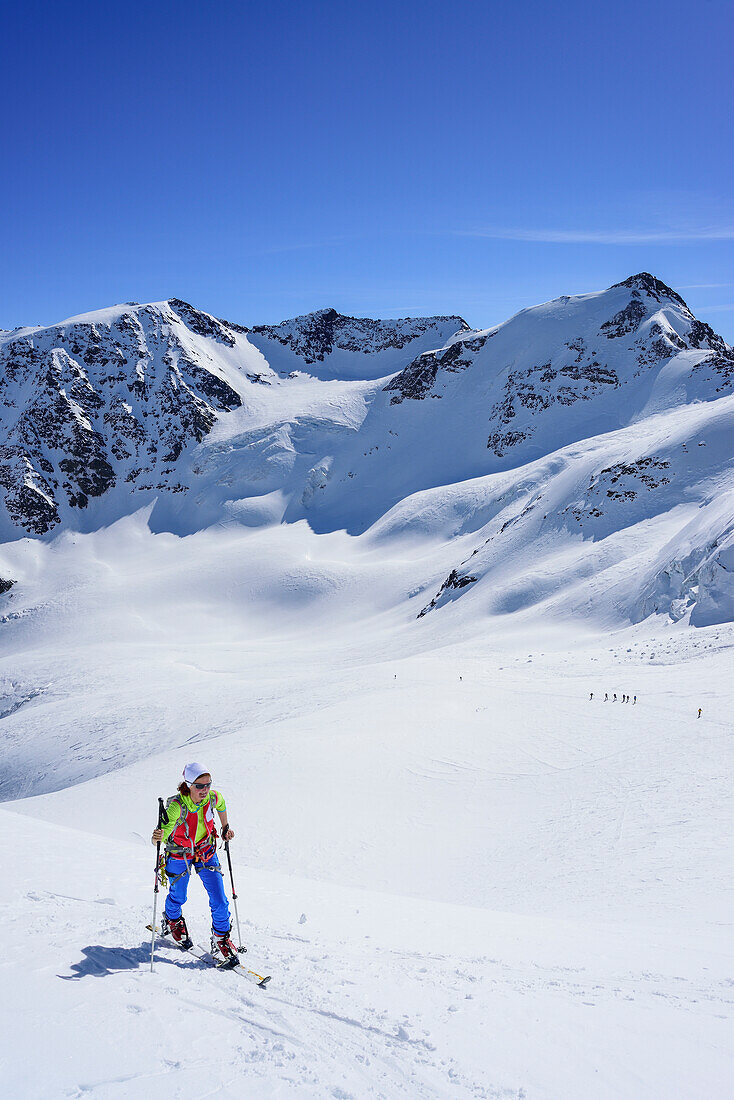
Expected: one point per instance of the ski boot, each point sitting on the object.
(177, 930)
(223, 950)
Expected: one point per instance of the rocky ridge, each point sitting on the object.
(583, 368)
(584, 426)
(315, 336)
(101, 404)
(102, 407)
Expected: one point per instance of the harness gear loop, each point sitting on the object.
(175, 878)
(203, 853)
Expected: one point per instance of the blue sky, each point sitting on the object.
(263, 160)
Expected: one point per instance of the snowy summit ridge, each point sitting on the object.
(315, 336)
(591, 412)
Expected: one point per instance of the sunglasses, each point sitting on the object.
(202, 786)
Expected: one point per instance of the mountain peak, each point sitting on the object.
(203, 324)
(326, 314)
(652, 286)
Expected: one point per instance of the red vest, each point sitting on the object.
(184, 835)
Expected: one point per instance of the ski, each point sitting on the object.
(236, 968)
(201, 953)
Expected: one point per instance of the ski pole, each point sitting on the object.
(234, 896)
(161, 816)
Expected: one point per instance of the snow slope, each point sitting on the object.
(467, 877)
(591, 401)
(585, 434)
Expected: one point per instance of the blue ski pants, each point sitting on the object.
(210, 873)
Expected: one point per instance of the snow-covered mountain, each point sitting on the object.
(100, 414)
(328, 345)
(569, 430)
(422, 567)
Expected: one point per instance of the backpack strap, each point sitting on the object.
(178, 849)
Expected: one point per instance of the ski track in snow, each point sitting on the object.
(341, 1019)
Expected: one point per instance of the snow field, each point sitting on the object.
(372, 994)
(508, 889)
(466, 877)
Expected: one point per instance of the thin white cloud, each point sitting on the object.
(602, 236)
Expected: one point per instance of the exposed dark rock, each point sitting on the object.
(720, 369)
(234, 327)
(29, 498)
(312, 338)
(315, 335)
(111, 404)
(621, 483)
(127, 434)
(5, 586)
(89, 468)
(542, 386)
(592, 372)
(84, 396)
(652, 286)
(218, 391)
(418, 378)
(415, 381)
(579, 346)
(501, 442)
(478, 342)
(203, 324)
(627, 320)
(703, 336)
(185, 416)
(455, 581)
(660, 344)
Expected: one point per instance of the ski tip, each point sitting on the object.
(264, 983)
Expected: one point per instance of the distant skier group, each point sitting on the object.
(625, 698)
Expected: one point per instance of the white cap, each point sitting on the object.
(193, 771)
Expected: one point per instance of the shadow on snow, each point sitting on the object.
(99, 961)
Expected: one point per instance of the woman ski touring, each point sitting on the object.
(190, 837)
